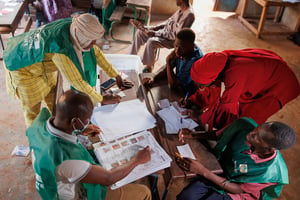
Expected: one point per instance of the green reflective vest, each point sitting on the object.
(29, 48)
(240, 167)
(48, 152)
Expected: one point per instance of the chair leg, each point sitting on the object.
(153, 183)
(2, 43)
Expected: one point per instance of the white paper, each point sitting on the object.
(174, 121)
(120, 151)
(186, 151)
(125, 118)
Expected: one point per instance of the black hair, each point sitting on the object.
(186, 2)
(74, 104)
(284, 136)
(186, 34)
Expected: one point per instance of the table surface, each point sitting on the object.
(15, 6)
(169, 142)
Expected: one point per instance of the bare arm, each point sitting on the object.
(99, 175)
(170, 73)
(196, 167)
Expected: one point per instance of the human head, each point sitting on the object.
(180, 2)
(206, 70)
(85, 30)
(270, 136)
(74, 109)
(184, 43)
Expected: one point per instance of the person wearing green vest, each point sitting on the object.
(67, 45)
(253, 167)
(64, 169)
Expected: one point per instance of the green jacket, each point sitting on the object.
(26, 49)
(241, 168)
(48, 152)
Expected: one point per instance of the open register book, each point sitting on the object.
(120, 151)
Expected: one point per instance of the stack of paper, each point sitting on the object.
(122, 119)
(174, 121)
(118, 152)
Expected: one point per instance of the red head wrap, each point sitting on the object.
(207, 69)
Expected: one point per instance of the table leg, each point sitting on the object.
(261, 21)
(244, 8)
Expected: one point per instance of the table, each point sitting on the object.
(169, 142)
(142, 4)
(12, 19)
(265, 4)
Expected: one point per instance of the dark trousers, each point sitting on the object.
(198, 190)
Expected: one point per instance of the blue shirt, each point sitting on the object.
(183, 70)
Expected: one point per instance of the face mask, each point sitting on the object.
(76, 131)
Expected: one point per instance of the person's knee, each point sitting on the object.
(152, 43)
(145, 191)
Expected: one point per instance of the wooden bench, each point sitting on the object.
(118, 14)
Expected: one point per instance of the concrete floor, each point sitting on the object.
(216, 31)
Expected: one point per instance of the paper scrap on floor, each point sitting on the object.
(186, 151)
(174, 121)
(125, 118)
(118, 152)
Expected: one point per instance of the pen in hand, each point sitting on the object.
(183, 103)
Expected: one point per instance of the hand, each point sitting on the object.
(184, 133)
(150, 33)
(171, 56)
(137, 24)
(147, 82)
(123, 84)
(190, 114)
(92, 130)
(191, 165)
(111, 99)
(143, 156)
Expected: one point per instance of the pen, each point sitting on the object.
(185, 98)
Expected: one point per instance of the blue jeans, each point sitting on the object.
(198, 190)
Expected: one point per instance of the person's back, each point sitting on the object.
(64, 169)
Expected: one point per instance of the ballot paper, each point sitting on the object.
(125, 118)
(118, 152)
(174, 121)
(186, 151)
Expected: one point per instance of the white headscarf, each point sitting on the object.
(84, 29)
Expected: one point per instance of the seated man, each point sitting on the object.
(252, 164)
(162, 35)
(64, 169)
(182, 58)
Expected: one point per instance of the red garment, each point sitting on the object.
(205, 96)
(207, 69)
(257, 84)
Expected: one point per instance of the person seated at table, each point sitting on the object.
(39, 13)
(253, 167)
(64, 169)
(185, 53)
(65, 45)
(162, 35)
(254, 79)
(57, 9)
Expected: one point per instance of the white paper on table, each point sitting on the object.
(125, 118)
(186, 151)
(112, 154)
(174, 121)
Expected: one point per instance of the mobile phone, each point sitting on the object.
(107, 84)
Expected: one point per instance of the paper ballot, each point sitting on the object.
(125, 118)
(118, 152)
(174, 121)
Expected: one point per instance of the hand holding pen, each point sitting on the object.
(183, 102)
